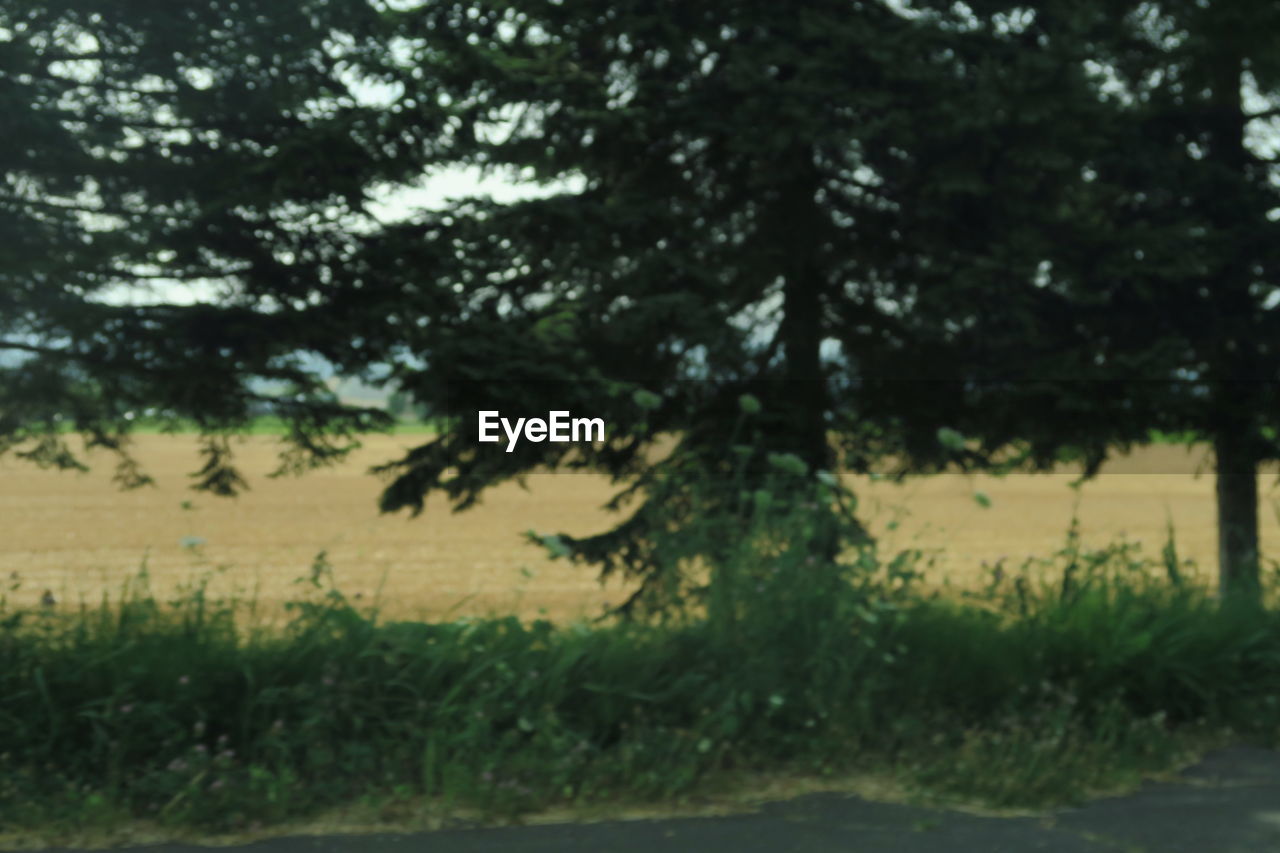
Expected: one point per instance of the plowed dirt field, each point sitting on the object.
(78, 536)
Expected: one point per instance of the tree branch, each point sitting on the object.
(72, 83)
(190, 275)
(1265, 114)
(76, 208)
(51, 56)
(34, 348)
(221, 127)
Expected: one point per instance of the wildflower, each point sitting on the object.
(184, 680)
(277, 727)
(216, 786)
(198, 728)
(222, 739)
(327, 681)
(126, 709)
(177, 765)
(486, 776)
(200, 748)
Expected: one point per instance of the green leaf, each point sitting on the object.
(950, 438)
(788, 463)
(646, 400)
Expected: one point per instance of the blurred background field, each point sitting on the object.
(78, 535)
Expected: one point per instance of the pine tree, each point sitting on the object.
(186, 186)
(764, 199)
(1161, 270)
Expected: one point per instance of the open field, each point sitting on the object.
(77, 535)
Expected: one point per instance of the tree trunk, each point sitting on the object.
(1237, 489)
(1233, 334)
(801, 330)
(806, 391)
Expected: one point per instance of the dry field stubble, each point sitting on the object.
(78, 536)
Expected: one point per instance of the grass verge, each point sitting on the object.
(184, 717)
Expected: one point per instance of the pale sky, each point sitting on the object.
(435, 191)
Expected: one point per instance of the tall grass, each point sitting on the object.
(186, 715)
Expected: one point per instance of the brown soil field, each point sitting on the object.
(79, 536)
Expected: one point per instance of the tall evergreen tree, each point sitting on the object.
(770, 199)
(1158, 280)
(1201, 87)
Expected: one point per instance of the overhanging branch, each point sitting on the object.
(1264, 115)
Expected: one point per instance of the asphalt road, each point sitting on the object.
(1229, 803)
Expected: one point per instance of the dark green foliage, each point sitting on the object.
(1045, 228)
(1157, 251)
(789, 202)
(742, 205)
(880, 223)
(215, 153)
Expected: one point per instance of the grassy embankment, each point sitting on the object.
(178, 718)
